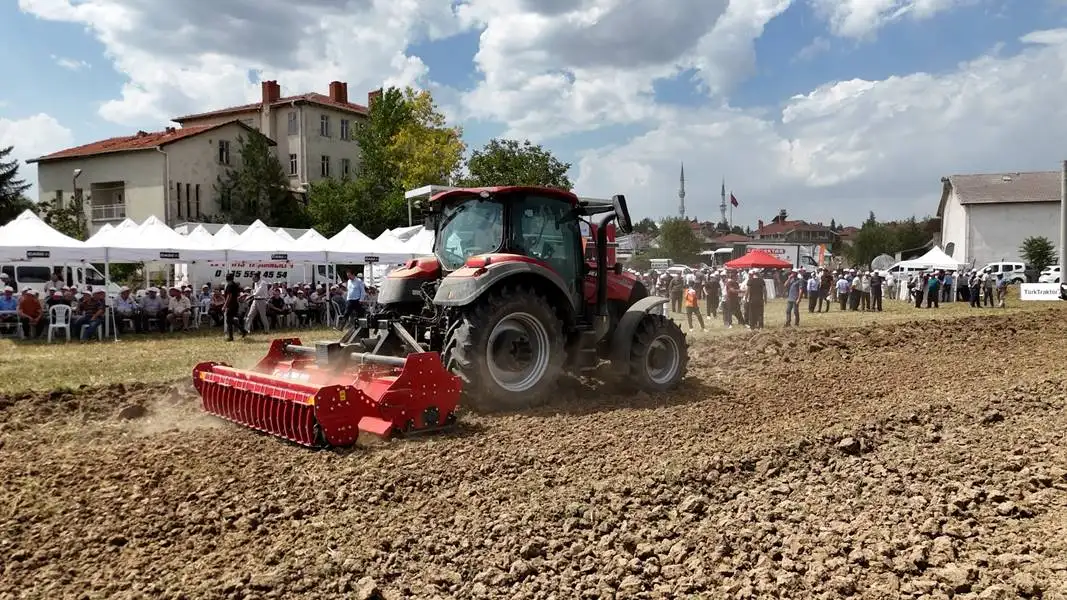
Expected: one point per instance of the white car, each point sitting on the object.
(1049, 275)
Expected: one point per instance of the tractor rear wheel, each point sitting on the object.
(508, 349)
(658, 354)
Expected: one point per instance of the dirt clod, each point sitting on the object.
(817, 464)
(132, 411)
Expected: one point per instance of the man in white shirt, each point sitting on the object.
(258, 307)
(301, 309)
(179, 310)
(126, 308)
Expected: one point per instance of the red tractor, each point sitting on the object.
(510, 301)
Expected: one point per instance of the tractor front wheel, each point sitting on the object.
(508, 349)
(658, 354)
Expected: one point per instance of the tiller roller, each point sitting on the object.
(325, 395)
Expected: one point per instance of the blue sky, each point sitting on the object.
(627, 129)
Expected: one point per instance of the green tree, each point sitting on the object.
(334, 203)
(510, 162)
(909, 235)
(1039, 252)
(258, 188)
(873, 239)
(646, 226)
(426, 150)
(12, 200)
(677, 240)
(68, 219)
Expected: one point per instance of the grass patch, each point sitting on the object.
(134, 359)
(157, 358)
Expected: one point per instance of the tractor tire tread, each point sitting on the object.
(651, 327)
(462, 358)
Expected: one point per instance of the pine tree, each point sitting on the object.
(12, 202)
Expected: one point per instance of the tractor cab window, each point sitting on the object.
(543, 228)
(468, 229)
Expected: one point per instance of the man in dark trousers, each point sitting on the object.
(876, 291)
(712, 291)
(233, 292)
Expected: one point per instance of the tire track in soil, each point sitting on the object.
(733, 487)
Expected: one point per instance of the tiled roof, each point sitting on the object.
(313, 98)
(140, 141)
(731, 238)
(787, 226)
(1002, 188)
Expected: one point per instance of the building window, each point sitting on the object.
(188, 201)
(59, 198)
(292, 164)
(294, 125)
(344, 129)
(324, 126)
(197, 201)
(178, 197)
(224, 152)
(346, 167)
(325, 166)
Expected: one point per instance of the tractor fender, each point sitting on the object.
(464, 286)
(623, 338)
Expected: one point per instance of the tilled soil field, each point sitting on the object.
(919, 460)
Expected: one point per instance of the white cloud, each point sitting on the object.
(557, 67)
(182, 57)
(817, 46)
(849, 147)
(31, 137)
(552, 68)
(71, 64)
(862, 18)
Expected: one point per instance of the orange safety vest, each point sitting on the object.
(691, 298)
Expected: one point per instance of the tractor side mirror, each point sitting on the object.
(622, 215)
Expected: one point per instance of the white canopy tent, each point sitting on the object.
(201, 237)
(421, 244)
(282, 233)
(225, 237)
(29, 238)
(311, 240)
(935, 258)
(100, 233)
(260, 242)
(151, 241)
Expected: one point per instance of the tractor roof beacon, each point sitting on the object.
(510, 300)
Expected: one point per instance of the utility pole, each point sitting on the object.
(1063, 222)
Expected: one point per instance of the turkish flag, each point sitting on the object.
(733, 200)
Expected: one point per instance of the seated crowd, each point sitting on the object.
(173, 310)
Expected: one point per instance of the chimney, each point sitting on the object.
(372, 97)
(141, 134)
(339, 92)
(759, 225)
(170, 130)
(271, 92)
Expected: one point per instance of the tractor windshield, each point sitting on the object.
(469, 228)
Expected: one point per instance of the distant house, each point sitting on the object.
(985, 218)
(171, 173)
(794, 232)
(848, 234)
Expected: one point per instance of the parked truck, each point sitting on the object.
(798, 255)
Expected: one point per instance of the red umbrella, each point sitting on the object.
(758, 259)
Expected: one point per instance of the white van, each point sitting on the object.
(38, 276)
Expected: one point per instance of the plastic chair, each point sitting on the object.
(59, 318)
